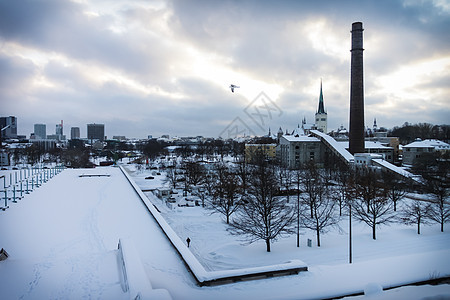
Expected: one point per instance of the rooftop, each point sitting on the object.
(439, 145)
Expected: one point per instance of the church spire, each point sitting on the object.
(321, 115)
(321, 106)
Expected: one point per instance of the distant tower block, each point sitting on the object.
(356, 133)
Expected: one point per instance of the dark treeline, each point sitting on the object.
(407, 133)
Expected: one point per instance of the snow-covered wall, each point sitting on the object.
(134, 278)
(201, 275)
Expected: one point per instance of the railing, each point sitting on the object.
(15, 184)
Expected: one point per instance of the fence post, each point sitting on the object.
(14, 194)
(6, 199)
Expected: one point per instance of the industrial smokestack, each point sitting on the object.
(356, 134)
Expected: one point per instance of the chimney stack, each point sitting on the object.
(356, 133)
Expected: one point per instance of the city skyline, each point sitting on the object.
(151, 68)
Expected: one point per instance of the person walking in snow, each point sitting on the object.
(188, 240)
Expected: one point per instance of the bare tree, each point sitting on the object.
(297, 178)
(286, 178)
(209, 182)
(310, 175)
(242, 172)
(371, 203)
(171, 176)
(320, 215)
(434, 168)
(416, 212)
(440, 208)
(264, 216)
(343, 182)
(395, 187)
(226, 200)
(194, 172)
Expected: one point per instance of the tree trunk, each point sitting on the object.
(418, 226)
(442, 226)
(350, 235)
(373, 232)
(395, 205)
(318, 238)
(268, 245)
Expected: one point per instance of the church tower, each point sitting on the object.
(321, 115)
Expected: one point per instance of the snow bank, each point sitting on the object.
(202, 276)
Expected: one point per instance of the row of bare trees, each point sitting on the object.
(256, 200)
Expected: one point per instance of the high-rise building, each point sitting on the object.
(59, 129)
(356, 132)
(8, 127)
(96, 132)
(59, 133)
(321, 115)
(75, 133)
(40, 131)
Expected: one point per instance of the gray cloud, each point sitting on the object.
(130, 64)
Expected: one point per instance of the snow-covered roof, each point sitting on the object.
(298, 131)
(308, 126)
(394, 168)
(368, 145)
(339, 147)
(301, 138)
(436, 144)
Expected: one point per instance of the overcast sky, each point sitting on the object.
(164, 67)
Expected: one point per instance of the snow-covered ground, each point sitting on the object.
(62, 240)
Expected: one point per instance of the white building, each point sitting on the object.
(293, 151)
(418, 147)
(377, 148)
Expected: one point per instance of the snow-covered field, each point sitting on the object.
(62, 240)
(398, 256)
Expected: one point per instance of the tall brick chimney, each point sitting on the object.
(356, 133)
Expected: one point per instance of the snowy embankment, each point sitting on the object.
(204, 277)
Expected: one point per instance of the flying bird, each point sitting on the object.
(232, 87)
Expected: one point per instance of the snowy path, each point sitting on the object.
(62, 238)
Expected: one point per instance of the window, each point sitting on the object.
(323, 119)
